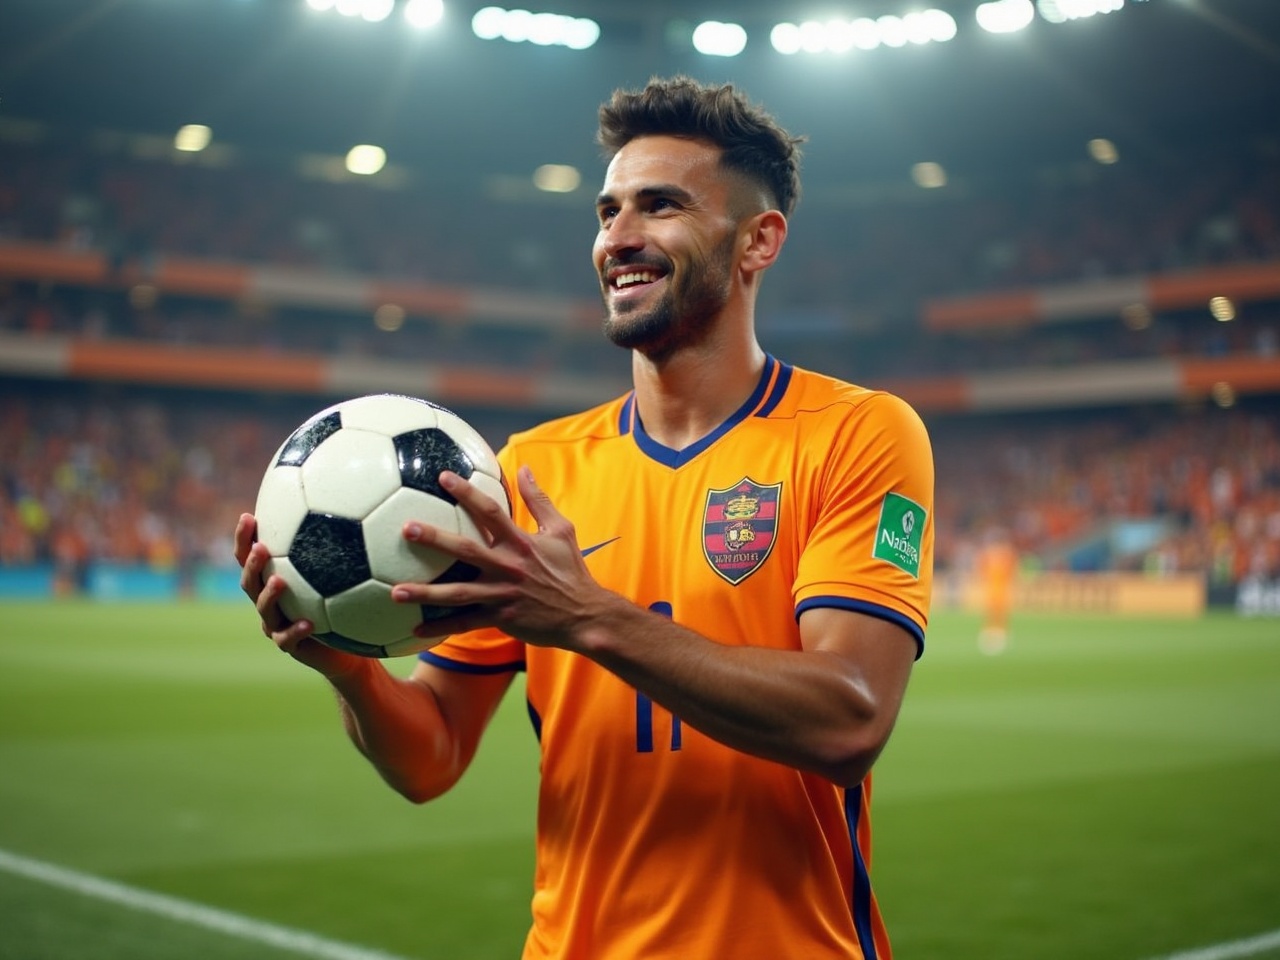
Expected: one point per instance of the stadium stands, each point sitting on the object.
(163, 325)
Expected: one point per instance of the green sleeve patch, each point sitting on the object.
(900, 532)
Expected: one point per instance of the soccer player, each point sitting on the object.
(717, 585)
(997, 568)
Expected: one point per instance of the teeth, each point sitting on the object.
(629, 278)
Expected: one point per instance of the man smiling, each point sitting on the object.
(711, 691)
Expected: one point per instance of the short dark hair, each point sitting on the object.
(752, 142)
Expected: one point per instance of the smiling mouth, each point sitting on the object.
(630, 278)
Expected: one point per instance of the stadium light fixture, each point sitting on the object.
(423, 14)
(543, 29)
(192, 138)
(1005, 16)
(929, 175)
(557, 178)
(1136, 316)
(366, 159)
(716, 39)
(1222, 308)
(1060, 11)
(841, 36)
(372, 11)
(1103, 151)
(389, 317)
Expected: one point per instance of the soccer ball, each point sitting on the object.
(334, 500)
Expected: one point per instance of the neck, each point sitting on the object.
(683, 397)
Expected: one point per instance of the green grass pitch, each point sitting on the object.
(1107, 788)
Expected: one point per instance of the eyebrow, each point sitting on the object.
(646, 193)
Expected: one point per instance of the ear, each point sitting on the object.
(763, 236)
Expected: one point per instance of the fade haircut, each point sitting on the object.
(751, 142)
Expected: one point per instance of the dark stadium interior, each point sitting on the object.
(1034, 259)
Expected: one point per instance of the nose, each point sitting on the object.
(622, 234)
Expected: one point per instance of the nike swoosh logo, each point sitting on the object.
(588, 551)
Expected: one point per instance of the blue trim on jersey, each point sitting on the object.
(874, 609)
(534, 718)
(779, 389)
(427, 656)
(675, 458)
(861, 905)
(624, 415)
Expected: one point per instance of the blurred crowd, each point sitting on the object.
(886, 250)
(1205, 481)
(113, 473)
(118, 475)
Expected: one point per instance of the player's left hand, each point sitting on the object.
(533, 586)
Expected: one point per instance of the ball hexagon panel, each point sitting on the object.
(328, 552)
(300, 601)
(307, 437)
(281, 506)
(368, 613)
(350, 473)
(392, 559)
(389, 413)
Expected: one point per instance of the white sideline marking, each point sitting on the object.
(1236, 948)
(185, 911)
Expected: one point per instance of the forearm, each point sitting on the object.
(812, 709)
(397, 724)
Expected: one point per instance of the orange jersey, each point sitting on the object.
(653, 840)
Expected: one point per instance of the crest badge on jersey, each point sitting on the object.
(738, 528)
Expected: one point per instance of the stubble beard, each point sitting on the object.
(683, 317)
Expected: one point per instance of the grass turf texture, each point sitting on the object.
(1107, 789)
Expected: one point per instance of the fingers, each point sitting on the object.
(246, 529)
(488, 514)
(540, 506)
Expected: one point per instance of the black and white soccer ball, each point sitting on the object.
(333, 503)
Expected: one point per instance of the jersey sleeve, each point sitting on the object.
(871, 546)
(486, 650)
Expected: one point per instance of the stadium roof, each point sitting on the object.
(1156, 77)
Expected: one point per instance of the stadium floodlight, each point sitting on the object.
(543, 29)
(1060, 11)
(716, 39)
(839, 36)
(1222, 308)
(929, 175)
(376, 11)
(423, 14)
(1005, 16)
(192, 138)
(321, 5)
(893, 31)
(785, 38)
(863, 33)
(1103, 151)
(389, 317)
(866, 35)
(366, 159)
(557, 178)
(938, 24)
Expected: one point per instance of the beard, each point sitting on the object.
(683, 316)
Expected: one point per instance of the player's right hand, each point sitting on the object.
(293, 638)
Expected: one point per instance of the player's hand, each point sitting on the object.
(534, 587)
(293, 638)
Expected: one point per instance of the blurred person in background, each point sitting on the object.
(997, 569)
(717, 584)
